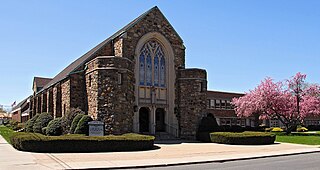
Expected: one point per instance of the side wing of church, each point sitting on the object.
(134, 81)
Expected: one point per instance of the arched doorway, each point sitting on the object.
(144, 119)
(160, 117)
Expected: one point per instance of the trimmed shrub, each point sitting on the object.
(41, 122)
(276, 129)
(313, 127)
(207, 125)
(68, 118)
(233, 128)
(244, 138)
(302, 129)
(35, 142)
(54, 127)
(297, 134)
(75, 122)
(83, 127)
(30, 123)
(13, 125)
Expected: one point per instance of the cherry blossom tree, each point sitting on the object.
(288, 101)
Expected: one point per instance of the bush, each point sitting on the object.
(233, 128)
(244, 138)
(207, 125)
(297, 134)
(30, 123)
(13, 124)
(83, 127)
(35, 142)
(313, 127)
(68, 118)
(302, 129)
(75, 122)
(54, 127)
(41, 122)
(276, 129)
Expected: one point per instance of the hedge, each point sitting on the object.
(244, 138)
(297, 134)
(35, 142)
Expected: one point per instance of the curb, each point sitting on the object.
(203, 162)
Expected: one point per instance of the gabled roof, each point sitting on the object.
(20, 104)
(41, 81)
(88, 56)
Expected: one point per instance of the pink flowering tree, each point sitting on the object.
(289, 101)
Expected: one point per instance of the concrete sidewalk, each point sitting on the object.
(166, 154)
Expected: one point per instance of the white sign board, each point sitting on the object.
(96, 128)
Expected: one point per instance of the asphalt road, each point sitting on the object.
(300, 162)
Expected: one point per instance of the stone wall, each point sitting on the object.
(154, 22)
(110, 92)
(78, 98)
(192, 90)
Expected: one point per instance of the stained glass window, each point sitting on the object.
(149, 70)
(141, 69)
(152, 65)
(162, 72)
(156, 70)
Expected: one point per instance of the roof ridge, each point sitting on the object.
(85, 57)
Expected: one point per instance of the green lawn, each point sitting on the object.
(6, 132)
(307, 140)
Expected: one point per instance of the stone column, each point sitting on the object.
(38, 103)
(50, 101)
(43, 101)
(57, 101)
(192, 98)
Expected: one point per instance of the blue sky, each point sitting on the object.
(239, 42)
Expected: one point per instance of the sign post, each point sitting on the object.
(96, 128)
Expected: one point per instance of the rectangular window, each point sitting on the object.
(119, 78)
(212, 103)
(90, 79)
(228, 104)
(217, 103)
(223, 104)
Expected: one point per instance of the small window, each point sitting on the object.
(217, 103)
(223, 104)
(119, 78)
(90, 79)
(228, 104)
(212, 103)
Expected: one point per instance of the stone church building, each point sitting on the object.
(134, 81)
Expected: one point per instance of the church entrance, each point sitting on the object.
(144, 119)
(160, 117)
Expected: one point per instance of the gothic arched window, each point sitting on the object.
(152, 64)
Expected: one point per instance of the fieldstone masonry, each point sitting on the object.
(192, 90)
(103, 83)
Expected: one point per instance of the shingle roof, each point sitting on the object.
(88, 56)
